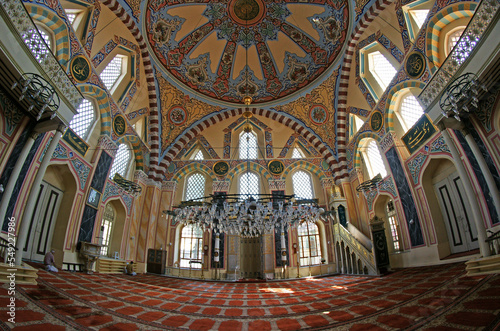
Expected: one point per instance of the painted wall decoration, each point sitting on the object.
(407, 201)
(270, 76)
(318, 114)
(75, 142)
(177, 115)
(421, 131)
(301, 109)
(12, 114)
(415, 65)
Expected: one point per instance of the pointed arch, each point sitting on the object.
(192, 167)
(52, 21)
(392, 100)
(103, 105)
(243, 167)
(437, 23)
(302, 164)
(212, 119)
(357, 150)
(136, 144)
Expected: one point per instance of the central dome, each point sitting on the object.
(229, 49)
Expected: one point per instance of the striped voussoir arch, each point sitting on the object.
(101, 97)
(135, 142)
(53, 22)
(357, 150)
(252, 166)
(438, 22)
(302, 164)
(192, 167)
(155, 172)
(340, 170)
(390, 105)
(196, 129)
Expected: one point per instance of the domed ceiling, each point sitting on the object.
(227, 49)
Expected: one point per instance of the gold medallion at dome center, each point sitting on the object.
(247, 12)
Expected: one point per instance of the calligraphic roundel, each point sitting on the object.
(224, 50)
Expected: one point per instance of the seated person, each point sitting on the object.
(49, 261)
(130, 269)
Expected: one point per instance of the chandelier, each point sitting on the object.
(244, 215)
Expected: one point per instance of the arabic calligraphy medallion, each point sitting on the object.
(119, 125)
(276, 167)
(221, 168)
(415, 65)
(376, 121)
(80, 69)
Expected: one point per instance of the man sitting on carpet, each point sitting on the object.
(49, 261)
(130, 269)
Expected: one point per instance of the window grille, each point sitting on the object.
(195, 186)
(122, 159)
(419, 15)
(249, 184)
(375, 160)
(199, 156)
(35, 42)
(302, 185)
(112, 72)
(410, 111)
(381, 68)
(191, 247)
(81, 122)
(248, 145)
(297, 154)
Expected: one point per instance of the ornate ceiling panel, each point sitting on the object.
(227, 49)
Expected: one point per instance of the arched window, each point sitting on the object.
(106, 228)
(36, 44)
(373, 160)
(410, 111)
(113, 71)
(248, 145)
(381, 69)
(309, 245)
(195, 186)
(302, 185)
(464, 47)
(191, 247)
(82, 122)
(393, 224)
(121, 162)
(249, 184)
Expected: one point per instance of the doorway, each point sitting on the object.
(42, 223)
(250, 257)
(462, 234)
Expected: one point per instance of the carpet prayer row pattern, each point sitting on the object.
(424, 298)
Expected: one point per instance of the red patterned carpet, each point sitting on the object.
(425, 298)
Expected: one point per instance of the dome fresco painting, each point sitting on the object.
(225, 50)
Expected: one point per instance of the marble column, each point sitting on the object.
(7, 193)
(484, 168)
(33, 195)
(475, 209)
